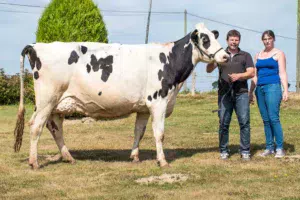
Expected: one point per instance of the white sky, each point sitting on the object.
(18, 29)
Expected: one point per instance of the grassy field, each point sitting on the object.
(103, 169)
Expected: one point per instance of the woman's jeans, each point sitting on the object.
(239, 103)
(268, 99)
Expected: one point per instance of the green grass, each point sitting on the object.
(103, 169)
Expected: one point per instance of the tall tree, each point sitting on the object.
(71, 21)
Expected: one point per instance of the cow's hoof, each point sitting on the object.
(68, 158)
(163, 164)
(135, 159)
(73, 161)
(34, 166)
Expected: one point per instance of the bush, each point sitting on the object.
(71, 21)
(10, 88)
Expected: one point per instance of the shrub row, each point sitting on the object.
(10, 88)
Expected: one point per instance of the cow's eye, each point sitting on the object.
(205, 40)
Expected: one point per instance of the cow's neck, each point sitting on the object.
(177, 65)
(182, 52)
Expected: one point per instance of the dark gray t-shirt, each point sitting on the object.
(238, 63)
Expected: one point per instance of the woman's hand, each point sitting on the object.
(285, 95)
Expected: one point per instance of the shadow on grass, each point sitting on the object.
(171, 154)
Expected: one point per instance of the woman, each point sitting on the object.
(270, 70)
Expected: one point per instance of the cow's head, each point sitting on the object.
(207, 48)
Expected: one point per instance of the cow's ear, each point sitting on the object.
(194, 36)
(216, 33)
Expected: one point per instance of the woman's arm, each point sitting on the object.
(253, 81)
(283, 75)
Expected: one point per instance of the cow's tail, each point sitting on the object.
(19, 129)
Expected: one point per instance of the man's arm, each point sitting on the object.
(250, 72)
(211, 67)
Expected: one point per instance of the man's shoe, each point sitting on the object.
(267, 152)
(279, 153)
(245, 156)
(224, 156)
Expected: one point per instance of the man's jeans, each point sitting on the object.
(240, 103)
(268, 99)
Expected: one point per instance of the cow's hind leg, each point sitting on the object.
(158, 113)
(140, 127)
(55, 126)
(39, 119)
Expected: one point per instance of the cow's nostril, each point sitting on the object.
(225, 57)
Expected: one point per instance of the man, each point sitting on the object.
(233, 94)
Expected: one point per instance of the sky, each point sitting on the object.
(251, 18)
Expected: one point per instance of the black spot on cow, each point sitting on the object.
(149, 98)
(38, 64)
(73, 58)
(99, 93)
(155, 95)
(159, 92)
(54, 127)
(88, 68)
(178, 67)
(36, 75)
(84, 49)
(106, 66)
(160, 74)
(103, 63)
(34, 108)
(205, 40)
(162, 58)
(94, 63)
(33, 59)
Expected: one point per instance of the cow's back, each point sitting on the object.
(101, 80)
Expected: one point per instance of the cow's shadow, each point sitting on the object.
(114, 155)
(171, 154)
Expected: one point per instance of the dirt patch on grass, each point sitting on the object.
(293, 158)
(165, 178)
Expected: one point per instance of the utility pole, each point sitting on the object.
(185, 32)
(148, 23)
(298, 50)
(193, 88)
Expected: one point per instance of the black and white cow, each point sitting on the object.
(110, 80)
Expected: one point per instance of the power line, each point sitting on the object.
(154, 12)
(16, 11)
(240, 27)
(24, 5)
(106, 15)
(144, 12)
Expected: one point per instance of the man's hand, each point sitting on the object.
(234, 77)
(251, 98)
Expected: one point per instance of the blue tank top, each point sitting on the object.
(267, 71)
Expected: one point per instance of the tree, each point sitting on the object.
(71, 21)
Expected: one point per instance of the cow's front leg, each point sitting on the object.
(158, 122)
(140, 128)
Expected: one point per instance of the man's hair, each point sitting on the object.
(233, 33)
(269, 33)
